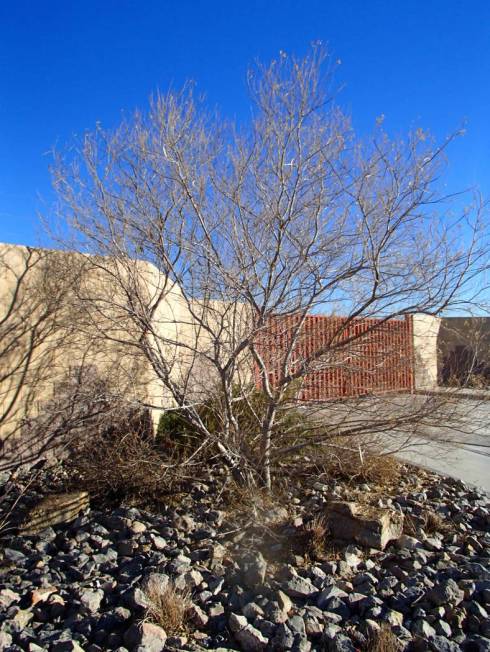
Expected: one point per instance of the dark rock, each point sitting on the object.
(341, 643)
(476, 644)
(447, 592)
(299, 587)
(91, 600)
(66, 646)
(297, 625)
(249, 638)
(254, 568)
(283, 639)
(329, 593)
(151, 638)
(443, 644)
(422, 628)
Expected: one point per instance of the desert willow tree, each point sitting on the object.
(286, 215)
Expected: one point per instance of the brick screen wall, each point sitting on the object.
(365, 356)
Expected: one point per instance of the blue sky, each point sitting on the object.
(67, 64)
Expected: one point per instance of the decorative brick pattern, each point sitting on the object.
(358, 357)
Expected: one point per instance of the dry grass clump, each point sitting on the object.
(383, 640)
(316, 532)
(434, 522)
(311, 541)
(467, 380)
(167, 607)
(429, 521)
(380, 469)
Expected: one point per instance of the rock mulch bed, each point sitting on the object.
(78, 586)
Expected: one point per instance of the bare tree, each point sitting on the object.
(288, 216)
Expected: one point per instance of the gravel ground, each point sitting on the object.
(253, 582)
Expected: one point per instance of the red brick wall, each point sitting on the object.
(365, 356)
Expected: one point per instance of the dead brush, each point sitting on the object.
(348, 464)
(312, 541)
(121, 465)
(167, 606)
(381, 470)
(383, 640)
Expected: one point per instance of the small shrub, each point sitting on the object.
(380, 469)
(337, 457)
(429, 521)
(176, 434)
(433, 522)
(176, 431)
(167, 607)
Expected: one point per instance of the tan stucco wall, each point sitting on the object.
(437, 340)
(94, 327)
(75, 334)
(425, 332)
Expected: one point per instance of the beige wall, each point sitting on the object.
(44, 298)
(94, 327)
(437, 342)
(425, 333)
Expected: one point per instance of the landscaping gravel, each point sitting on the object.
(79, 586)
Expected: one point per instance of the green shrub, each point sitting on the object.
(176, 432)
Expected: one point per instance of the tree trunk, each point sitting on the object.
(266, 447)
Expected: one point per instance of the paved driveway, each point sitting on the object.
(461, 451)
(469, 459)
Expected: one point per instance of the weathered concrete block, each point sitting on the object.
(369, 526)
(53, 510)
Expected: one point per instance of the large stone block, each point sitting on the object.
(53, 510)
(369, 526)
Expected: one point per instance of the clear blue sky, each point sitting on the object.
(66, 64)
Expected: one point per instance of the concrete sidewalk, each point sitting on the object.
(469, 393)
(462, 463)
